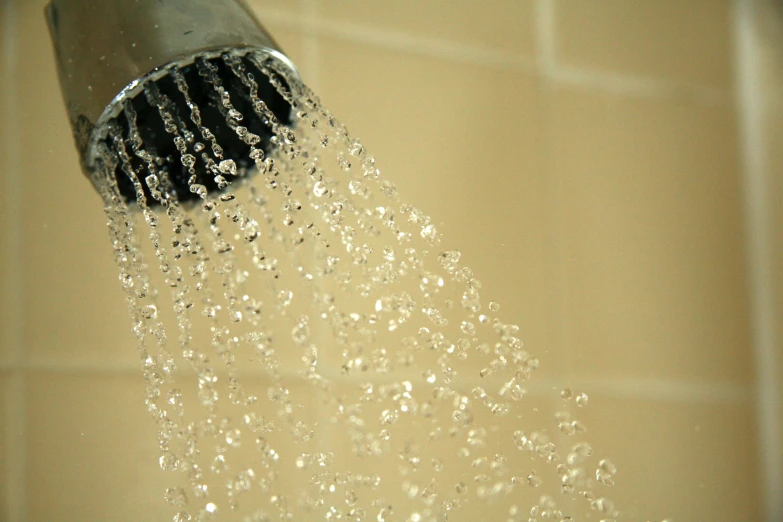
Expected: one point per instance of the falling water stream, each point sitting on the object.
(310, 348)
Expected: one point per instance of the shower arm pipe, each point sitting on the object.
(104, 48)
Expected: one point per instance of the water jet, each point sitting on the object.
(249, 224)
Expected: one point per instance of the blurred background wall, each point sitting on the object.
(611, 169)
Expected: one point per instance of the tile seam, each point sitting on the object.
(16, 422)
(595, 79)
(310, 44)
(554, 215)
(759, 258)
(694, 391)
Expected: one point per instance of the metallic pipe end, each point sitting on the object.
(109, 52)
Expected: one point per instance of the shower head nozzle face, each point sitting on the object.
(134, 70)
(199, 122)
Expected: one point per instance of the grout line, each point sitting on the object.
(310, 44)
(709, 392)
(16, 449)
(546, 39)
(281, 18)
(426, 46)
(760, 257)
(557, 300)
(15, 424)
(666, 390)
(640, 87)
(83, 366)
(545, 63)
(423, 45)
(555, 216)
(11, 193)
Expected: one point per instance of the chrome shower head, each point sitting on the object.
(127, 65)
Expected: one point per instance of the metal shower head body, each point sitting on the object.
(111, 54)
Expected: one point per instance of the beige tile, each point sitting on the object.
(770, 69)
(463, 156)
(422, 450)
(773, 132)
(675, 461)
(258, 287)
(5, 41)
(287, 35)
(73, 305)
(668, 39)
(260, 7)
(75, 312)
(504, 25)
(271, 454)
(291, 43)
(766, 23)
(92, 450)
(5, 383)
(654, 244)
(6, 252)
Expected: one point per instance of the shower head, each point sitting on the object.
(140, 74)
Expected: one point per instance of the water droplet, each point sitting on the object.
(607, 466)
(356, 148)
(301, 331)
(358, 188)
(175, 497)
(284, 297)
(388, 188)
(579, 453)
(319, 189)
(233, 437)
(431, 235)
(188, 160)
(533, 480)
(384, 514)
(343, 162)
(603, 505)
(468, 328)
(149, 312)
(500, 410)
(228, 167)
(351, 284)
(605, 472)
(390, 416)
(567, 428)
(219, 464)
(126, 280)
(168, 462)
(581, 400)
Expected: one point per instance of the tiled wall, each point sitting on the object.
(773, 66)
(585, 157)
(760, 47)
